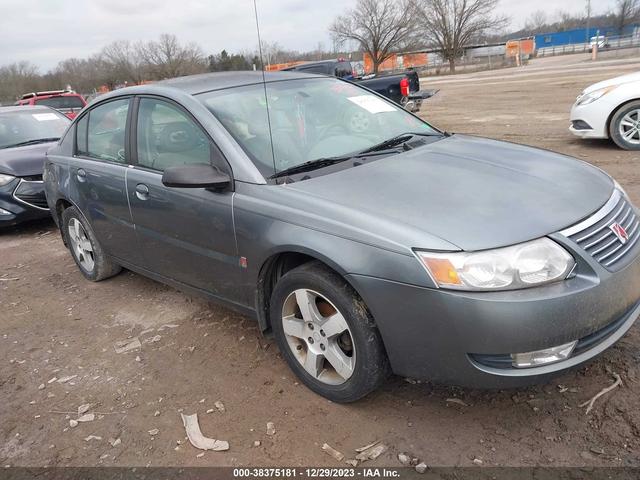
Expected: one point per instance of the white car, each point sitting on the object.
(610, 109)
(601, 41)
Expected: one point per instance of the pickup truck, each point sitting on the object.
(402, 88)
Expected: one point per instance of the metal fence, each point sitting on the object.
(613, 43)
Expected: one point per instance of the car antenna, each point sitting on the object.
(264, 83)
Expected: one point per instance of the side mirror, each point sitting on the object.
(197, 175)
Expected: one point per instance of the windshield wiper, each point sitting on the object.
(378, 149)
(323, 162)
(397, 140)
(310, 165)
(33, 142)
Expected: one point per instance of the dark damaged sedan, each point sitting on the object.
(366, 240)
(26, 133)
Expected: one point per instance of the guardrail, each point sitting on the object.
(613, 43)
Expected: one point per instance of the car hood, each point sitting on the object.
(24, 161)
(631, 77)
(472, 192)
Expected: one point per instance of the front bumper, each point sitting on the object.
(446, 336)
(594, 115)
(24, 200)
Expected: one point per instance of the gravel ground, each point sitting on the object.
(55, 325)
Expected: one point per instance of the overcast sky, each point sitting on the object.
(47, 31)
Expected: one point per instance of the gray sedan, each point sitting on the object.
(364, 239)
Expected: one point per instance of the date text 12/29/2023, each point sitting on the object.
(309, 472)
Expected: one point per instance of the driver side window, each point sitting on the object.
(101, 133)
(168, 137)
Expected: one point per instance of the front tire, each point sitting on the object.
(326, 334)
(624, 128)
(85, 248)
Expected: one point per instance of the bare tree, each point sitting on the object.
(380, 27)
(18, 78)
(627, 12)
(453, 24)
(167, 58)
(126, 60)
(537, 21)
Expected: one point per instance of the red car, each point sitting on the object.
(65, 101)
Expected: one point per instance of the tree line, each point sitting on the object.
(123, 62)
(382, 27)
(378, 28)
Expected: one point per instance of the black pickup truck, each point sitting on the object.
(402, 88)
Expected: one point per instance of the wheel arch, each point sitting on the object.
(616, 110)
(277, 264)
(61, 205)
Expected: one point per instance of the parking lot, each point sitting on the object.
(60, 335)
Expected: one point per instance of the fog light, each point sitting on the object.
(5, 212)
(543, 357)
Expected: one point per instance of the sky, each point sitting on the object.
(47, 31)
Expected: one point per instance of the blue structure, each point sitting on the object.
(579, 35)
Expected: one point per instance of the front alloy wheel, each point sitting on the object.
(624, 128)
(326, 334)
(318, 336)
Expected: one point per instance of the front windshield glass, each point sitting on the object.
(28, 125)
(310, 119)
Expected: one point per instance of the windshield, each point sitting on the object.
(63, 102)
(28, 125)
(310, 119)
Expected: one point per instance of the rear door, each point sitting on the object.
(185, 234)
(97, 172)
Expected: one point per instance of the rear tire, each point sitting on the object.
(624, 128)
(334, 347)
(85, 248)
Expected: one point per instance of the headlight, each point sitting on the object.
(6, 179)
(520, 266)
(619, 187)
(587, 98)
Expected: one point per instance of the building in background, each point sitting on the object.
(580, 35)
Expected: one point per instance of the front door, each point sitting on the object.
(185, 234)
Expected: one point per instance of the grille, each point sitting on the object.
(597, 238)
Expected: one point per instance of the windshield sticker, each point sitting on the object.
(44, 117)
(372, 104)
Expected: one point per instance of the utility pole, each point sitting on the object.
(588, 21)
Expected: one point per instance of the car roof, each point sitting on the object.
(25, 108)
(207, 82)
(321, 62)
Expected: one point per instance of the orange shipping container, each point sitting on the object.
(398, 61)
(526, 46)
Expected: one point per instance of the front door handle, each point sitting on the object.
(142, 191)
(81, 175)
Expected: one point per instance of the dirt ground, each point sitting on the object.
(54, 324)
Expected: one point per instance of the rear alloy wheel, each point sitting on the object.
(85, 248)
(625, 126)
(326, 334)
(81, 245)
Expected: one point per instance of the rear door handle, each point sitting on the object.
(142, 191)
(81, 175)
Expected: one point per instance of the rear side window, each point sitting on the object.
(167, 137)
(61, 102)
(105, 127)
